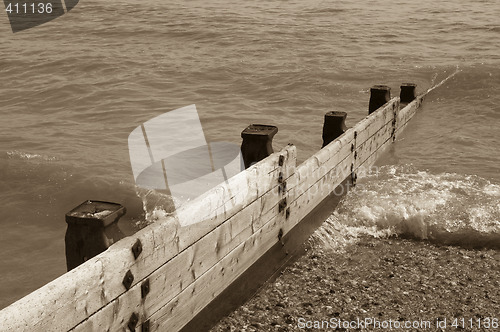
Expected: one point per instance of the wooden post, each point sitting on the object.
(408, 93)
(334, 126)
(92, 228)
(379, 95)
(257, 143)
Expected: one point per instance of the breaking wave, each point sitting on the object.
(400, 201)
(155, 204)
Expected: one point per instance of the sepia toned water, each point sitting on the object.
(73, 89)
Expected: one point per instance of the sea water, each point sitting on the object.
(73, 89)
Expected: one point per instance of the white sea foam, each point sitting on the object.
(29, 156)
(155, 204)
(492, 190)
(400, 201)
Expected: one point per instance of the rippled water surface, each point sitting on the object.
(73, 89)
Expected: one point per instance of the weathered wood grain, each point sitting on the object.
(407, 112)
(176, 275)
(304, 198)
(370, 125)
(322, 162)
(193, 255)
(67, 300)
(75, 296)
(320, 174)
(303, 201)
(180, 310)
(372, 146)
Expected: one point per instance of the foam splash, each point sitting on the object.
(336, 235)
(28, 156)
(450, 209)
(155, 204)
(437, 85)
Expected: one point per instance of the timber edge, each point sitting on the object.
(161, 277)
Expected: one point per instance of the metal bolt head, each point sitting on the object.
(145, 288)
(128, 280)
(282, 205)
(282, 188)
(137, 248)
(281, 160)
(145, 326)
(132, 323)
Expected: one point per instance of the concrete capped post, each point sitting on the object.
(379, 95)
(92, 228)
(257, 143)
(334, 126)
(408, 92)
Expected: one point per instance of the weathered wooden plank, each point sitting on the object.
(185, 306)
(374, 128)
(172, 278)
(332, 151)
(372, 145)
(226, 229)
(193, 299)
(29, 312)
(306, 196)
(374, 134)
(378, 147)
(406, 113)
(312, 186)
(253, 183)
(370, 125)
(376, 137)
(326, 159)
(66, 300)
(178, 273)
(91, 291)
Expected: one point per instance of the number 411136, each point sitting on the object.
(487, 323)
(29, 8)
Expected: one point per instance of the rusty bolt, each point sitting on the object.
(145, 326)
(137, 248)
(280, 177)
(281, 160)
(128, 280)
(145, 288)
(132, 323)
(282, 205)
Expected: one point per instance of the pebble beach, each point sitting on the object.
(388, 282)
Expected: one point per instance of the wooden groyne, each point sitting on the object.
(161, 277)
